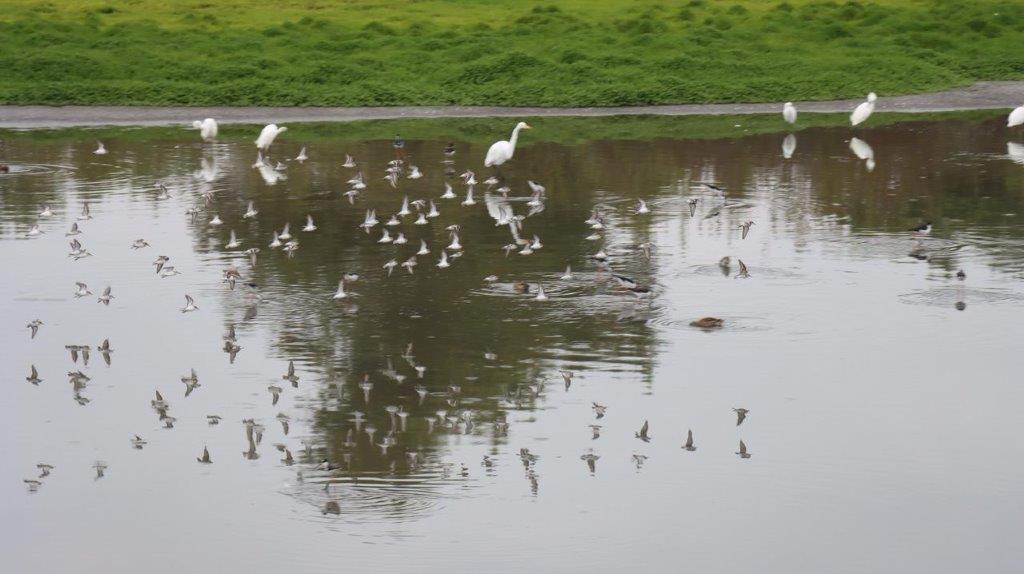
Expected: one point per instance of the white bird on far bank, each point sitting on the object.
(789, 113)
(1016, 117)
(863, 111)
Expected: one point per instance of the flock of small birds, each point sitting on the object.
(500, 205)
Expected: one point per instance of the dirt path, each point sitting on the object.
(983, 95)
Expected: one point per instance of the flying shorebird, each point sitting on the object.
(83, 290)
(100, 149)
(449, 193)
(745, 227)
(106, 297)
(741, 415)
(290, 376)
(33, 376)
(541, 295)
(599, 410)
(742, 273)
(340, 293)
(233, 241)
(205, 459)
(190, 305)
(34, 325)
(743, 451)
(191, 382)
(302, 155)
(922, 229)
(309, 224)
(689, 441)
(642, 435)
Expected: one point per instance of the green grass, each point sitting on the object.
(575, 52)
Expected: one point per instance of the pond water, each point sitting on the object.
(881, 389)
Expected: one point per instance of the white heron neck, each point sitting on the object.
(515, 137)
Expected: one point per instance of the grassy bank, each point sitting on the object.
(574, 52)
(482, 131)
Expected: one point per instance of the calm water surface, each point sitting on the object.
(883, 392)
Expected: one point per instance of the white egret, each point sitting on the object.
(1016, 117)
(267, 136)
(502, 151)
(863, 111)
(789, 113)
(207, 129)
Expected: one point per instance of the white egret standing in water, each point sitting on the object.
(863, 111)
(267, 136)
(789, 113)
(1016, 117)
(207, 129)
(502, 151)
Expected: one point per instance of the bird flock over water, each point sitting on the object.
(395, 233)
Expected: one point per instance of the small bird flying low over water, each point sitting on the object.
(688, 445)
(922, 229)
(642, 434)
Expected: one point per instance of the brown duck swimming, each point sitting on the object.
(707, 323)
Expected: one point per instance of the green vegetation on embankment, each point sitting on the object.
(568, 53)
(481, 131)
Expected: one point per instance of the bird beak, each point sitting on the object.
(527, 126)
